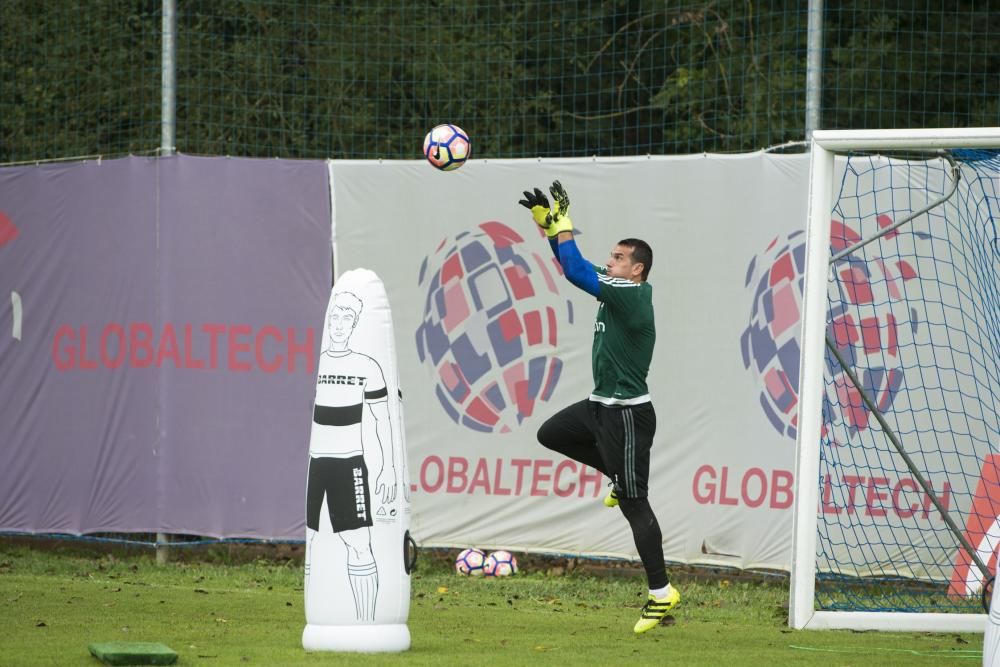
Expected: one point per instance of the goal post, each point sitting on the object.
(897, 506)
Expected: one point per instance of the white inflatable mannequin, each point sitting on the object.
(991, 640)
(357, 568)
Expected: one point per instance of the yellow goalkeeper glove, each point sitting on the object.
(553, 219)
(560, 211)
(538, 204)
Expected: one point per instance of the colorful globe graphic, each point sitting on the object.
(491, 326)
(864, 325)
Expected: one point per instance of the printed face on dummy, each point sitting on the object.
(342, 323)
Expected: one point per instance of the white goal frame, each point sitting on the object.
(823, 146)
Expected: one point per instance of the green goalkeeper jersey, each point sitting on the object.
(624, 334)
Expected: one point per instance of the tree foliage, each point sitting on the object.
(367, 78)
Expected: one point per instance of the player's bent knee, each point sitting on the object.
(547, 436)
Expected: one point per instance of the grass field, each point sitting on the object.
(54, 602)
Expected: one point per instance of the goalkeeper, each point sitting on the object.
(612, 430)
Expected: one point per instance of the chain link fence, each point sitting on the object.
(368, 78)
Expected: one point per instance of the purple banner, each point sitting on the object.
(159, 329)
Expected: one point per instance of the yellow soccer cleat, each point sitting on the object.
(611, 500)
(655, 609)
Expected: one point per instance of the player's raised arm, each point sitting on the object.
(555, 222)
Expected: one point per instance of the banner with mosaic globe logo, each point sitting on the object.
(770, 343)
(499, 340)
(491, 326)
(902, 316)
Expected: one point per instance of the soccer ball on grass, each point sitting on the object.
(500, 564)
(470, 562)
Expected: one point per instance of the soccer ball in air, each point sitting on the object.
(447, 147)
(500, 564)
(470, 562)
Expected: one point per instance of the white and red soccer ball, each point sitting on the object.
(470, 562)
(475, 563)
(500, 564)
(447, 147)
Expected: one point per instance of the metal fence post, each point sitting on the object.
(168, 142)
(814, 67)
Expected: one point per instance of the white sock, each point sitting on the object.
(363, 578)
(659, 593)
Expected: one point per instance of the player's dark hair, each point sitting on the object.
(641, 252)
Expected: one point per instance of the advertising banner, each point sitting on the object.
(493, 340)
(161, 324)
(158, 344)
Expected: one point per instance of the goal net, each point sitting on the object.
(897, 517)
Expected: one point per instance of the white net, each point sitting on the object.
(916, 316)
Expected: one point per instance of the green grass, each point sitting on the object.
(53, 603)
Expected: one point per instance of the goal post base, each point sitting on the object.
(894, 621)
